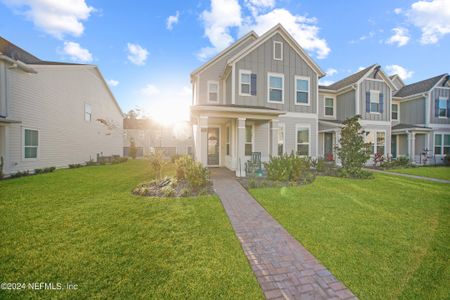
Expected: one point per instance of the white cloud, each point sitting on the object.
(112, 82)
(217, 21)
(76, 52)
(227, 14)
(303, 29)
(331, 71)
(433, 19)
(326, 82)
(398, 11)
(185, 91)
(136, 54)
(172, 20)
(54, 17)
(400, 37)
(402, 72)
(150, 90)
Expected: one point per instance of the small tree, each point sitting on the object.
(158, 162)
(353, 151)
(132, 150)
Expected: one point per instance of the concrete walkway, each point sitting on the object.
(410, 176)
(283, 267)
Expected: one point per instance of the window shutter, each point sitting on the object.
(367, 101)
(436, 107)
(381, 102)
(448, 108)
(253, 84)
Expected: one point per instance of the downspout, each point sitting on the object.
(377, 69)
(446, 80)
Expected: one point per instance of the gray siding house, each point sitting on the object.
(262, 95)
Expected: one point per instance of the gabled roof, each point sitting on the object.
(278, 29)
(14, 52)
(419, 87)
(349, 80)
(251, 34)
(396, 76)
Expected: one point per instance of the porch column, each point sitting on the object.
(203, 147)
(337, 134)
(240, 145)
(274, 138)
(411, 145)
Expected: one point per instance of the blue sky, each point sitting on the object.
(407, 36)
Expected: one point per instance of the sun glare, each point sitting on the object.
(170, 115)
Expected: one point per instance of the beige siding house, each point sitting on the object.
(262, 95)
(54, 114)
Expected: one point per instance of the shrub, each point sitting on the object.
(400, 162)
(132, 150)
(288, 168)
(44, 170)
(193, 172)
(119, 160)
(74, 166)
(353, 151)
(378, 159)
(168, 191)
(20, 174)
(91, 162)
(158, 162)
(446, 160)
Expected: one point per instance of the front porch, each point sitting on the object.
(413, 142)
(226, 136)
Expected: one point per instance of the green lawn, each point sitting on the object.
(385, 238)
(433, 172)
(83, 226)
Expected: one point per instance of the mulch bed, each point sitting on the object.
(172, 188)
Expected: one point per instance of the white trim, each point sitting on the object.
(438, 82)
(38, 145)
(220, 145)
(281, 50)
(252, 124)
(292, 114)
(208, 83)
(282, 125)
(357, 100)
(428, 104)
(325, 106)
(437, 126)
(374, 79)
(224, 89)
(398, 111)
(297, 77)
(269, 74)
(373, 122)
(233, 84)
(247, 72)
(303, 126)
(228, 139)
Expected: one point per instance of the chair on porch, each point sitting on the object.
(254, 165)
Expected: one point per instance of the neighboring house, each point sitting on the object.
(149, 136)
(261, 94)
(52, 113)
(421, 120)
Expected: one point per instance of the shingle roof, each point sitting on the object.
(418, 87)
(408, 126)
(16, 53)
(349, 80)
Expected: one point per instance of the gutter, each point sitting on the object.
(17, 64)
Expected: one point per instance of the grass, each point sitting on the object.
(432, 172)
(385, 238)
(83, 226)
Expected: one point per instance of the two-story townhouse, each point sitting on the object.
(259, 95)
(53, 113)
(367, 93)
(421, 120)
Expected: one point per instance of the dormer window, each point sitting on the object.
(278, 50)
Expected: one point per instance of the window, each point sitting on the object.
(280, 139)
(442, 108)
(374, 101)
(377, 139)
(245, 82)
(301, 90)
(248, 140)
(302, 141)
(31, 143)
(213, 91)
(441, 144)
(228, 140)
(329, 106)
(276, 86)
(87, 113)
(278, 50)
(394, 111)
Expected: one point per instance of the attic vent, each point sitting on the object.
(277, 50)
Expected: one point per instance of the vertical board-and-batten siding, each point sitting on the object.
(290, 124)
(260, 62)
(366, 86)
(435, 94)
(412, 111)
(214, 72)
(345, 105)
(52, 101)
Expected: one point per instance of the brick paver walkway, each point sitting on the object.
(283, 267)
